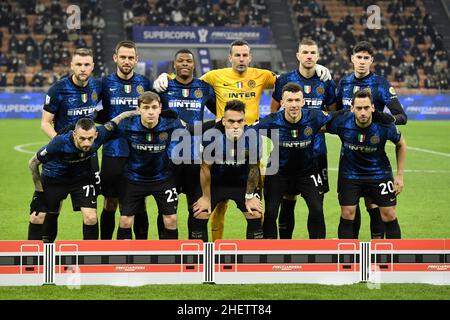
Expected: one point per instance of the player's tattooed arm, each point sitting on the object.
(252, 180)
(120, 117)
(33, 164)
(252, 201)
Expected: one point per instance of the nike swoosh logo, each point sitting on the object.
(112, 89)
(226, 84)
(93, 202)
(392, 199)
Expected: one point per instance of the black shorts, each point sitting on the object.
(309, 187)
(164, 192)
(188, 180)
(221, 193)
(112, 176)
(82, 192)
(381, 192)
(322, 166)
(96, 174)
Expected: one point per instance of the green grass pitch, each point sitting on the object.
(423, 212)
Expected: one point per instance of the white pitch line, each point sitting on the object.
(412, 171)
(20, 148)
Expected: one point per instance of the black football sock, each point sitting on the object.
(169, 234)
(357, 223)
(90, 232)
(199, 229)
(393, 229)
(160, 225)
(254, 229)
(316, 226)
(50, 228)
(34, 231)
(124, 234)
(286, 220)
(345, 230)
(107, 224)
(140, 226)
(376, 224)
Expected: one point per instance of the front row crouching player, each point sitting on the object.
(149, 170)
(229, 170)
(364, 168)
(67, 169)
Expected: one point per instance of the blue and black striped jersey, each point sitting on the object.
(69, 102)
(119, 95)
(363, 155)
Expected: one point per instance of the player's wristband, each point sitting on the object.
(249, 196)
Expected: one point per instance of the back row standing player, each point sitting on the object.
(244, 84)
(120, 92)
(187, 96)
(384, 95)
(319, 95)
(72, 97)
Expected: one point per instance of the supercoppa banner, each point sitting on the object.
(417, 107)
(200, 35)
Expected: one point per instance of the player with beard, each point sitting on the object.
(120, 92)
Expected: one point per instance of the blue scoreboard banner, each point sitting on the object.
(200, 35)
(418, 107)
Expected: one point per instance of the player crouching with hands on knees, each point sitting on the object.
(67, 169)
(229, 170)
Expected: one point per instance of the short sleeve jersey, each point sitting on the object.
(248, 88)
(363, 155)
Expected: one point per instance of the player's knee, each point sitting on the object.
(126, 222)
(290, 197)
(348, 213)
(256, 215)
(111, 204)
(37, 219)
(170, 221)
(388, 214)
(90, 218)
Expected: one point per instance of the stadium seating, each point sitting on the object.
(410, 52)
(36, 44)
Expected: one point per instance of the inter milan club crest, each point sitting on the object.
(84, 97)
(127, 88)
(198, 93)
(374, 139)
(94, 96)
(307, 89)
(239, 85)
(149, 136)
(320, 90)
(185, 93)
(361, 138)
(140, 89)
(163, 136)
(251, 84)
(294, 133)
(308, 131)
(355, 88)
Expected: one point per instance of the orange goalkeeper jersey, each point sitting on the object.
(248, 87)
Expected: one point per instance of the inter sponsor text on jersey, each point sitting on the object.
(119, 95)
(63, 160)
(69, 102)
(363, 153)
(318, 95)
